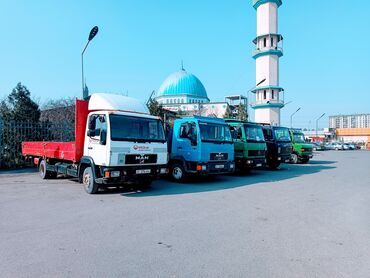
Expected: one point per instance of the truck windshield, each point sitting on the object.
(254, 133)
(210, 132)
(136, 129)
(282, 134)
(298, 137)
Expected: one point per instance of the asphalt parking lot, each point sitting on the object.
(300, 221)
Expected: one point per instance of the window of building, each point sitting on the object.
(264, 42)
(272, 94)
(167, 100)
(264, 94)
(272, 42)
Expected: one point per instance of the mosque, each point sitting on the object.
(182, 92)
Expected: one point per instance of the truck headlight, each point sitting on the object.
(204, 167)
(279, 150)
(163, 171)
(232, 166)
(115, 174)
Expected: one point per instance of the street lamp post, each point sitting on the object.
(92, 34)
(291, 117)
(317, 123)
(250, 90)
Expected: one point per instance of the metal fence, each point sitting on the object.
(12, 134)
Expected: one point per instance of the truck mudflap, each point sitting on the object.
(117, 175)
(211, 168)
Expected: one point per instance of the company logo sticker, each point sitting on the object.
(140, 148)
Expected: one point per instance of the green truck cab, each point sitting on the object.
(249, 144)
(302, 151)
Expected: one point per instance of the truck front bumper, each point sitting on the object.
(251, 162)
(117, 175)
(284, 158)
(306, 155)
(212, 168)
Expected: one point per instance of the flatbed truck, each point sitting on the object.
(116, 142)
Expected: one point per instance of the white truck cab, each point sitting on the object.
(123, 141)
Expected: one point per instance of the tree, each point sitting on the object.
(242, 113)
(59, 110)
(155, 108)
(228, 113)
(59, 114)
(19, 106)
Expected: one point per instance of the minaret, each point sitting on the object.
(268, 50)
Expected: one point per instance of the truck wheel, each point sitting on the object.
(294, 158)
(45, 174)
(88, 181)
(178, 173)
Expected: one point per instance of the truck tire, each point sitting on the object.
(45, 174)
(88, 181)
(178, 173)
(294, 158)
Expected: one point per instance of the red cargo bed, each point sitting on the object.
(55, 150)
(71, 151)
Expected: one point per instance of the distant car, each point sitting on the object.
(329, 146)
(346, 147)
(352, 146)
(318, 146)
(337, 146)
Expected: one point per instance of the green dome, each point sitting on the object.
(182, 83)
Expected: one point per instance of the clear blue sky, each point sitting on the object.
(325, 67)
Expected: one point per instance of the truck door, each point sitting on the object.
(97, 133)
(188, 141)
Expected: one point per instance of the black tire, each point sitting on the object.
(45, 174)
(294, 159)
(88, 181)
(177, 173)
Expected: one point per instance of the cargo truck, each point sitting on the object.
(249, 144)
(116, 142)
(302, 151)
(279, 145)
(200, 146)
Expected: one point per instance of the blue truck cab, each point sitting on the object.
(200, 146)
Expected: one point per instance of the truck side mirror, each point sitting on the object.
(193, 139)
(92, 120)
(91, 132)
(103, 137)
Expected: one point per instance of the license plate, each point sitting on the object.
(220, 166)
(279, 158)
(143, 171)
(259, 165)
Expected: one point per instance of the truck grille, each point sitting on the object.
(140, 158)
(286, 150)
(256, 153)
(219, 156)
